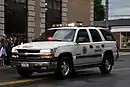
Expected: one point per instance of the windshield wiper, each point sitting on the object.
(39, 40)
(56, 40)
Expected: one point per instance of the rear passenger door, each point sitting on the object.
(96, 46)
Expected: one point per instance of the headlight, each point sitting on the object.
(46, 52)
(14, 50)
(14, 53)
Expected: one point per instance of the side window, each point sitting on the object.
(107, 35)
(82, 36)
(95, 35)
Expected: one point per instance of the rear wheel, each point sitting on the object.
(106, 66)
(24, 74)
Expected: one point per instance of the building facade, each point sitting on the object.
(33, 17)
(81, 11)
(1, 17)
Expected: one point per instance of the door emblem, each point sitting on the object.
(84, 49)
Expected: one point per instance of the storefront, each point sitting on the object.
(122, 36)
(31, 18)
(28, 18)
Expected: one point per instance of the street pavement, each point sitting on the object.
(119, 77)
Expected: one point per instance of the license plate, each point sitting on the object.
(24, 65)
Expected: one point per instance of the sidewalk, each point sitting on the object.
(124, 53)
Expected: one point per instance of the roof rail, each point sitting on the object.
(77, 24)
(96, 26)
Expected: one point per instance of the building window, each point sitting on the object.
(125, 39)
(57, 4)
(16, 18)
(53, 13)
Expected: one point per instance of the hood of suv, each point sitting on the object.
(43, 45)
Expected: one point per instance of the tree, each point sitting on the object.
(99, 13)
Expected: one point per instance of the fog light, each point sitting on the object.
(14, 56)
(43, 67)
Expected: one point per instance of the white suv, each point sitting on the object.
(66, 49)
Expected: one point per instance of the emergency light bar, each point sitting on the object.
(67, 25)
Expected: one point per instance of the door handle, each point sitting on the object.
(103, 45)
(91, 46)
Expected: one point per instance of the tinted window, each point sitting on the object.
(107, 35)
(95, 35)
(83, 34)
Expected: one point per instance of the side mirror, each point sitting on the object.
(81, 39)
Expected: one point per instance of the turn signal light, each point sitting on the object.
(47, 57)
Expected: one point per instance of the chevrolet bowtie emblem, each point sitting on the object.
(26, 53)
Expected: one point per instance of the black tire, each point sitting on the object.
(64, 68)
(24, 74)
(107, 64)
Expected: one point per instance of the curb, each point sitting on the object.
(5, 67)
(123, 53)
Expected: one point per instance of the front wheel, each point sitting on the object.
(106, 66)
(24, 74)
(64, 68)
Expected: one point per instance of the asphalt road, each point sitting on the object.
(119, 77)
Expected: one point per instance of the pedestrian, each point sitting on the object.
(2, 55)
(15, 41)
(23, 41)
(7, 45)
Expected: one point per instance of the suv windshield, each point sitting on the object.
(57, 35)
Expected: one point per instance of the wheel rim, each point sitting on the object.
(108, 65)
(65, 68)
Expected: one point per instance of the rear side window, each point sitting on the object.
(95, 35)
(107, 35)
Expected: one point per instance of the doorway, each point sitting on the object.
(16, 18)
(53, 13)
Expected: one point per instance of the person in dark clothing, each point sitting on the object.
(7, 45)
(15, 41)
(23, 41)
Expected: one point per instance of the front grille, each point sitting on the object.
(28, 51)
(23, 57)
(29, 59)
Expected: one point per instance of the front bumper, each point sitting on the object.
(34, 65)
